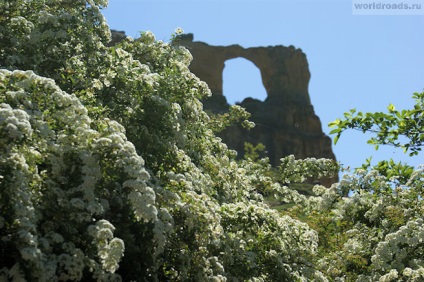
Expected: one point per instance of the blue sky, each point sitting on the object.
(363, 62)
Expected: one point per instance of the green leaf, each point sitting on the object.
(337, 130)
(334, 123)
(336, 138)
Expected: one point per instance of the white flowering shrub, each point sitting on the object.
(110, 170)
(61, 176)
(377, 232)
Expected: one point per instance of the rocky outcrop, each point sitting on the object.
(116, 37)
(285, 121)
(284, 70)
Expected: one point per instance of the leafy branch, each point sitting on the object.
(401, 129)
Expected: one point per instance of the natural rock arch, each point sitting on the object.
(284, 70)
(285, 122)
(242, 79)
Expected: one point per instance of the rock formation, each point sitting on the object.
(117, 36)
(285, 121)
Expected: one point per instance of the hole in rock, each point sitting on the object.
(242, 79)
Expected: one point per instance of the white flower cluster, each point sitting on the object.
(49, 151)
(250, 227)
(297, 171)
(110, 250)
(15, 123)
(402, 250)
(386, 226)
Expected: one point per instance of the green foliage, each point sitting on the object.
(297, 171)
(364, 237)
(235, 115)
(399, 172)
(372, 234)
(403, 129)
(252, 152)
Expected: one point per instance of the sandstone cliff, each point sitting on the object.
(285, 121)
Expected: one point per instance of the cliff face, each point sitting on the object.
(284, 70)
(285, 122)
(117, 36)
